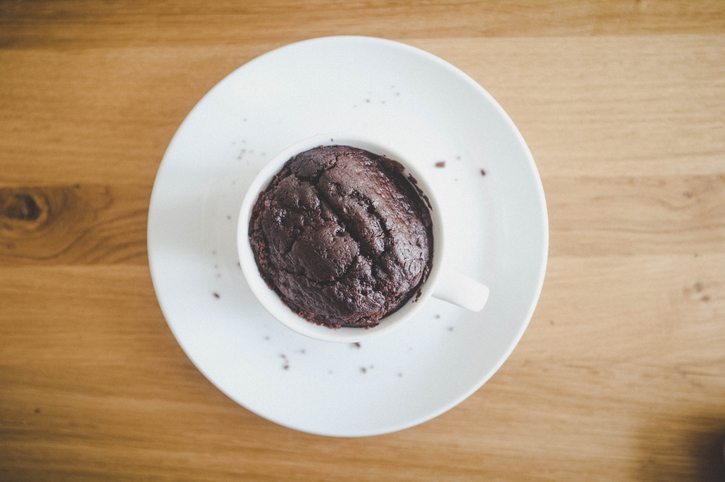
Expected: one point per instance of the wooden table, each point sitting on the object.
(621, 374)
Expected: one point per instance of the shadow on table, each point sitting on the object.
(682, 447)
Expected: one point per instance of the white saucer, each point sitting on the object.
(402, 96)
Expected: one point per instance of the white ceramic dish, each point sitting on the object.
(404, 97)
(443, 283)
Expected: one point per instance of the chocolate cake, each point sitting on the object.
(342, 236)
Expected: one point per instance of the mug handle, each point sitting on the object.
(459, 289)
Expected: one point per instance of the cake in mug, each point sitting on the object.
(342, 236)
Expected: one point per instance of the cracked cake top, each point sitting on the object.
(341, 236)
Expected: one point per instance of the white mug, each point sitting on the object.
(442, 283)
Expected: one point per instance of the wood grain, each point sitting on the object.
(621, 373)
(71, 24)
(637, 215)
(65, 112)
(78, 224)
(608, 402)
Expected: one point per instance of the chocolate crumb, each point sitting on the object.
(216, 295)
(363, 369)
(356, 344)
(483, 173)
(239, 264)
(286, 366)
(37, 410)
(441, 164)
